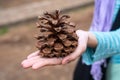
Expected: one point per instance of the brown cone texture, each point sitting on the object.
(57, 36)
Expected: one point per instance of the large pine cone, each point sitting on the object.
(57, 36)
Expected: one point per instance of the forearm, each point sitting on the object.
(101, 45)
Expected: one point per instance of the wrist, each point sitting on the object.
(92, 41)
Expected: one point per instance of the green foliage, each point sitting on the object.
(3, 30)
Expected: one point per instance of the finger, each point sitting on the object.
(29, 62)
(72, 56)
(33, 54)
(46, 62)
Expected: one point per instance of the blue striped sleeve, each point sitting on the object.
(108, 45)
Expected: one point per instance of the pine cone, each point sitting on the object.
(57, 36)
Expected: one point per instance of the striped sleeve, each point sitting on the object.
(108, 45)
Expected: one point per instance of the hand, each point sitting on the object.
(35, 61)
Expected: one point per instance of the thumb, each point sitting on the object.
(78, 32)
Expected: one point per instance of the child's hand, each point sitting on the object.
(35, 61)
(85, 39)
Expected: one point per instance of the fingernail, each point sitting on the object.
(67, 61)
(23, 62)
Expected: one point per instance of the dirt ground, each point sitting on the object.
(19, 41)
(12, 3)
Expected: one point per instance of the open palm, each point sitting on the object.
(36, 61)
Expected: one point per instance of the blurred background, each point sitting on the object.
(17, 31)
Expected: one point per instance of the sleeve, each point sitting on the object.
(108, 45)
